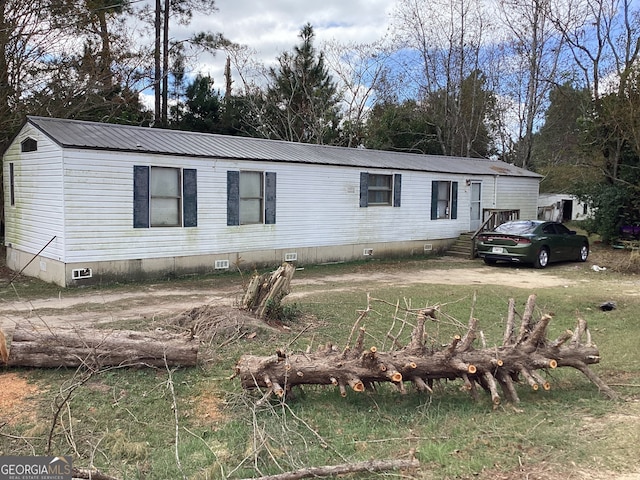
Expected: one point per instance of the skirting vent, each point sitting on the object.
(221, 264)
(80, 273)
(368, 252)
(290, 257)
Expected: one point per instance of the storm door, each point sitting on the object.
(476, 206)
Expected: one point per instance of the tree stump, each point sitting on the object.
(496, 370)
(72, 347)
(267, 290)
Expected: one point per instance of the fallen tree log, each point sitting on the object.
(72, 347)
(520, 358)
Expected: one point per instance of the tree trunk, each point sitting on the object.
(72, 347)
(519, 359)
(157, 71)
(104, 65)
(165, 64)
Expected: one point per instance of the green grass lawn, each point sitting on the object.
(124, 421)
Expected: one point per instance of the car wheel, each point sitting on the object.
(542, 258)
(490, 261)
(584, 252)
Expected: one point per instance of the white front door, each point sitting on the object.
(476, 206)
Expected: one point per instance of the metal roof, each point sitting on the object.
(113, 137)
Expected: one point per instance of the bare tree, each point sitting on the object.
(242, 62)
(535, 52)
(358, 69)
(27, 40)
(604, 38)
(445, 40)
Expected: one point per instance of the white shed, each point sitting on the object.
(561, 207)
(90, 202)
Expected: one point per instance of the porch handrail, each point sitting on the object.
(495, 217)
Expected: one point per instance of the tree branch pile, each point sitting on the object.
(524, 353)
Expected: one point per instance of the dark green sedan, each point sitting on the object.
(532, 241)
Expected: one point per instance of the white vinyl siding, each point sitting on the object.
(515, 193)
(99, 200)
(36, 216)
(317, 205)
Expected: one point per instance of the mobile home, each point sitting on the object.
(91, 202)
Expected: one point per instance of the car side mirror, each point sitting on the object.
(572, 232)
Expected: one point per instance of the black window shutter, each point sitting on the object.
(190, 197)
(364, 189)
(454, 200)
(140, 196)
(397, 187)
(434, 200)
(270, 198)
(233, 197)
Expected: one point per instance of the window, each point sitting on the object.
(251, 197)
(29, 145)
(166, 201)
(379, 189)
(562, 229)
(12, 190)
(444, 200)
(164, 197)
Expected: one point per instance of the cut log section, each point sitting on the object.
(72, 347)
(519, 359)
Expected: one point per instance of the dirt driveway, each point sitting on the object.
(77, 307)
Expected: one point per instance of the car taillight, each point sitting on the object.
(523, 241)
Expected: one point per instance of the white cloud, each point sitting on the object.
(272, 27)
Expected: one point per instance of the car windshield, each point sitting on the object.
(517, 228)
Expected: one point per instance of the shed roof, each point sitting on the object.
(114, 137)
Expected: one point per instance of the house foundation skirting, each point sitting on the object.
(104, 272)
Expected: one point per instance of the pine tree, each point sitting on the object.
(202, 107)
(301, 102)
